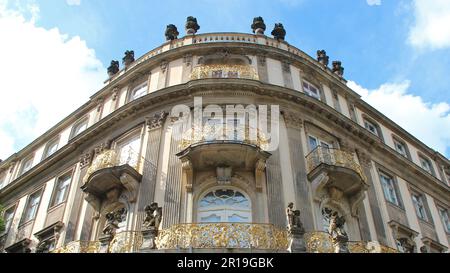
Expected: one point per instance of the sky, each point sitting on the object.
(54, 54)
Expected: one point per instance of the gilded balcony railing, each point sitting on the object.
(224, 71)
(112, 158)
(223, 235)
(215, 133)
(219, 236)
(333, 157)
(123, 242)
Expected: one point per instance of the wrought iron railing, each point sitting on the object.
(111, 158)
(223, 235)
(214, 133)
(333, 157)
(224, 71)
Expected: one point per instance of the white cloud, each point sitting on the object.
(374, 2)
(430, 123)
(73, 2)
(45, 75)
(431, 29)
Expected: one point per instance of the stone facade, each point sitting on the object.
(130, 183)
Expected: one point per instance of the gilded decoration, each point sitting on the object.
(224, 71)
(223, 235)
(208, 133)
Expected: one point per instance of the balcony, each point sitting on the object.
(111, 175)
(210, 147)
(337, 174)
(223, 236)
(216, 236)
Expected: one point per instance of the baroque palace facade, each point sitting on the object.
(121, 173)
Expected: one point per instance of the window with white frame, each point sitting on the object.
(61, 189)
(419, 206)
(311, 90)
(224, 205)
(27, 164)
(426, 164)
(139, 91)
(315, 142)
(51, 148)
(371, 127)
(389, 189)
(32, 207)
(79, 127)
(400, 147)
(444, 217)
(129, 150)
(8, 218)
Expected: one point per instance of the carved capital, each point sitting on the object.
(364, 158)
(115, 93)
(164, 65)
(86, 159)
(286, 65)
(293, 120)
(262, 60)
(157, 121)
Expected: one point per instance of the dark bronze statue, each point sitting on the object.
(338, 69)
(322, 57)
(114, 68)
(279, 32)
(128, 58)
(258, 25)
(171, 32)
(191, 25)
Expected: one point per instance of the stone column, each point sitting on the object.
(172, 198)
(147, 189)
(275, 191)
(294, 125)
(262, 68)
(85, 162)
(365, 162)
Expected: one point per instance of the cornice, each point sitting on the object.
(162, 99)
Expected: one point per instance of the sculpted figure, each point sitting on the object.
(279, 32)
(153, 216)
(290, 214)
(258, 25)
(171, 32)
(113, 68)
(338, 234)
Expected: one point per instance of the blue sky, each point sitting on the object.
(390, 49)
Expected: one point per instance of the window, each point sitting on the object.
(61, 190)
(27, 164)
(139, 91)
(51, 148)
(79, 127)
(32, 207)
(444, 217)
(426, 164)
(311, 90)
(314, 142)
(129, 151)
(8, 218)
(419, 206)
(371, 127)
(400, 147)
(389, 189)
(224, 205)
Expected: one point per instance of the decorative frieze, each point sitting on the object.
(86, 159)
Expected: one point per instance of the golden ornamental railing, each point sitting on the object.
(123, 242)
(224, 72)
(333, 157)
(112, 158)
(221, 132)
(219, 236)
(223, 235)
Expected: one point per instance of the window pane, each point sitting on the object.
(139, 92)
(79, 128)
(312, 143)
(32, 207)
(224, 205)
(52, 148)
(61, 190)
(8, 218)
(129, 152)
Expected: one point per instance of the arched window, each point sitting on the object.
(224, 205)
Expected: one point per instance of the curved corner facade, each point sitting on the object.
(123, 174)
